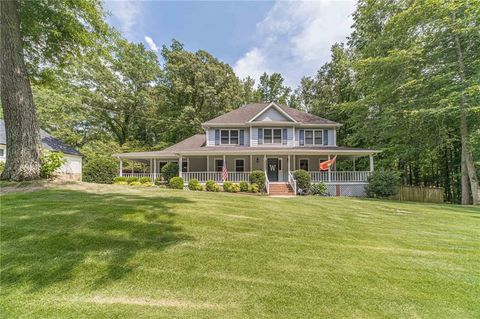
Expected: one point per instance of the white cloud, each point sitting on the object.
(295, 38)
(126, 13)
(151, 44)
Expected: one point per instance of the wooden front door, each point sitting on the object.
(272, 169)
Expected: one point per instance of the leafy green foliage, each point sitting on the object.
(227, 186)
(176, 182)
(243, 186)
(304, 181)
(132, 179)
(118, 179)
(194, 185)
(50, 162)
(258, 177)
(135, 183)
(211, 186)
(253, 188)
(145, 180)
(383, 184)
(2, 166)
(318, 189)
(169, 170)
(100, 169)
(271, 88)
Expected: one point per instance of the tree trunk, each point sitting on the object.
(468, 166)
(23, 139)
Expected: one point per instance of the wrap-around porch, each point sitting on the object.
(277, 168)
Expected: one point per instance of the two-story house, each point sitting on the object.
(261, 136)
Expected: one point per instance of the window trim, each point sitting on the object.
(272, 140)
(313, 137)
(230, 136)
(300, 163)
(215, 163)
(235, 162)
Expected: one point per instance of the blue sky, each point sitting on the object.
(292, 38)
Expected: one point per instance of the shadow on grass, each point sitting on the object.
(48, 236)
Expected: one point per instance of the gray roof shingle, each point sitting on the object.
(246, 113)
(48, 142)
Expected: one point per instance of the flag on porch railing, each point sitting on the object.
(323, 166)
(224, 171)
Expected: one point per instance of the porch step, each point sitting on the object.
(281, 189)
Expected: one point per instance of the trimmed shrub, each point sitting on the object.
(50, 162)
(2, 167)
(304, 182)
(319, 189)
(168, 171)
(136, 183)
(253, 188)
(132, 179)
(243, 186)
(145, 180)
(159, 181)
(194, 185)
(227, 186)
(121, 183)
(235, 188)
(176, 182)
(211, 186)
(383, 184)
(258, 177)
(119, 179)
(100, 169)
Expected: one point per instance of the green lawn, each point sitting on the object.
(117, 252)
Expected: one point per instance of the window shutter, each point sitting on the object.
(302, 137)
(217, 137)
(260, 136)
(242, 137)
(284, 136)
(325, 137)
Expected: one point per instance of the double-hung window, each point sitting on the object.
(313, 137)
(218, 165)
(229, 137)
(272, 136)
(239, 165)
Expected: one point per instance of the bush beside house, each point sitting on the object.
(176, 182)
(304, 181)
(211, 186)
(100, 169)
(194, 185)
(383, 184)
(258, 178)
(168, 171)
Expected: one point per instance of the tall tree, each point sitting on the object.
(196, 87)
(35, 34)
(271, 88)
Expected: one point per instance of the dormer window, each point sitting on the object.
(229, 137)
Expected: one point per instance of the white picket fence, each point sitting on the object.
(216, 176)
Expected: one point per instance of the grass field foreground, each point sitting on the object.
(118, 252)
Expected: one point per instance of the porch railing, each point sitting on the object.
(293, 182)
(139, 175)
(216, 176)
(339, 176)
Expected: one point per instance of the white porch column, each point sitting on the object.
(329, 171)
(154, 168)
(208, 163)
(180, 164)
(265, 164)
(354, 164)
(294, 162)
(251, 169)
(121, 167)
(132, 166)
(288, 161)
(371, 163)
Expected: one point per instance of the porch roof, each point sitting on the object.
(195, 146)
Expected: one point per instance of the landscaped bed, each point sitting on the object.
(93, 251)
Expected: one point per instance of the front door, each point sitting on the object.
(272, 169)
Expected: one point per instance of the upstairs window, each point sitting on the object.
(313, 137)
(229, 137)
(272, 136)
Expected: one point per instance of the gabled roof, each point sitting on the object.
(48, 142)
(250, 111)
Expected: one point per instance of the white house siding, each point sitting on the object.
(72, 169)
(272, 115)
(197, 164)
(211, 134)
(4, 155)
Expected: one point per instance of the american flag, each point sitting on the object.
(224, 171)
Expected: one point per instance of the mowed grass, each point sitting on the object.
(125, 253)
